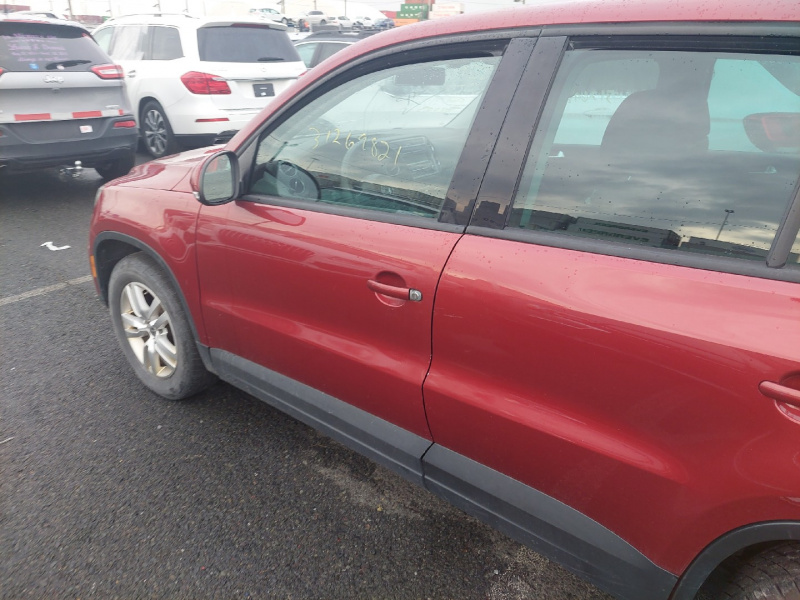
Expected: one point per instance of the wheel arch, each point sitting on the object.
(110, 247)
(142, 103)
(738, 540)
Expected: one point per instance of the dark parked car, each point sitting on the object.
(385, 23)
(62, 100)
(316, 47)
(543, 262)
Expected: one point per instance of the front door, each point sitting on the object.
(325, 270)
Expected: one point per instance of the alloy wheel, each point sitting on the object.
(148, 330)
(155, 132)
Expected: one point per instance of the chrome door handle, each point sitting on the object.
(779, 392)
(393, 291)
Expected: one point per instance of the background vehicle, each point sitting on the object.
(546, 267)
(273, 14)
(315, 48)
(196, 81)
(362, 22)
(317, 17)
(343, 23)
(62, 100)
(385, 23)
(372, 22)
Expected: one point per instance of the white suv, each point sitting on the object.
(195, 82)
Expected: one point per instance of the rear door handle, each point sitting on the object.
(781, 393)
(393, 291)
(132, 73)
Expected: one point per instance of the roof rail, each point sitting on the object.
(152, 14)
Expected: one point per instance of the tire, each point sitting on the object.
(115, 169)
(323, 22)
(770, 575)
(156, 131)
(153, 330)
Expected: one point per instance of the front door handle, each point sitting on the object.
(779, 392)
(394, 291)
(132, 73)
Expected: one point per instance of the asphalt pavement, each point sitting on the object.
(108, 491)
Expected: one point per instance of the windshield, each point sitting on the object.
(241, 43)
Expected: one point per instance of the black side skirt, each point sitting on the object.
(548, 526)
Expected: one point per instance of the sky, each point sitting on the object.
(119, 7)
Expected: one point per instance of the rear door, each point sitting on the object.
(603, 330)
(326, 270)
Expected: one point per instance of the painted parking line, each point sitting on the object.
(45, 290)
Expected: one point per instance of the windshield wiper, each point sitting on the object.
(66, 63)
(271, 59)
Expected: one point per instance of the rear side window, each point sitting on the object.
(165, 43)
(42, 47)
(694, 152)
(245, 44)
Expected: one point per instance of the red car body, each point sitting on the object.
(635, 419)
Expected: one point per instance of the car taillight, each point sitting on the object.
(205, 83)
(108, 71)
(126, 124)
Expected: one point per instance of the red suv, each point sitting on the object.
(543, 262)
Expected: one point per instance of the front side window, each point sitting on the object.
(668, 149)
(128, 42)
(387, 141)
(103, 38)
(306, 52)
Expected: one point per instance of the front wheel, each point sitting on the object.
(153, 330)
(156, 131)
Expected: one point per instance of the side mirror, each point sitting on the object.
(218, 179)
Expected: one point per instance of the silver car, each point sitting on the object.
(62, 100)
